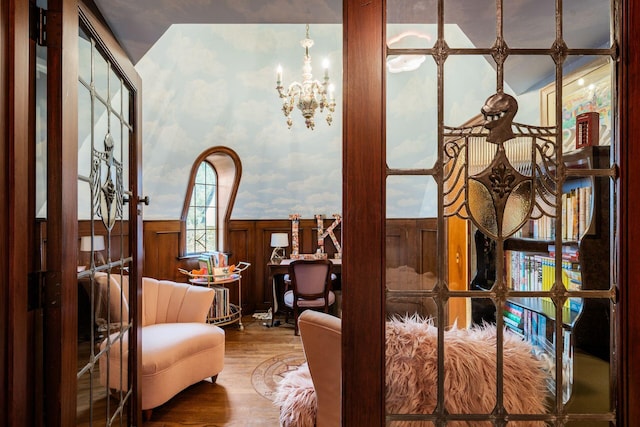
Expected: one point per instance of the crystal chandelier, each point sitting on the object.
(308, 95)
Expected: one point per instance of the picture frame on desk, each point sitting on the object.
(587, 90)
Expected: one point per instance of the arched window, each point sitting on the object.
(212, 189)
(202, 216)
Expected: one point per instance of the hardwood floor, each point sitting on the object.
(232, 400)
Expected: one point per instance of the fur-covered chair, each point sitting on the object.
(411, 376)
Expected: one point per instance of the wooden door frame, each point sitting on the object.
(363, 207)
(363, 203)
(14, 164)
(628, 188)
(363, 129)
(60, 298)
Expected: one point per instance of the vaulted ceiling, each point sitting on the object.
(139, 24)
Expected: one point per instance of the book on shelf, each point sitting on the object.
(575, 214)
(221, 304)
(213, 260)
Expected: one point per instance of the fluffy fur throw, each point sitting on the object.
(296, 398)
(411, 376)
(470, 372)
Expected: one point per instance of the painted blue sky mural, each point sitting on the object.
(214, 85)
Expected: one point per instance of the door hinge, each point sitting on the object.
(38, 26)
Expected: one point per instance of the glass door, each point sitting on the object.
(104, 260)
(499, 296)
(93, 224)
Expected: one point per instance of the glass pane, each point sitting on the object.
(210, 195)
(84, 58)
(411, 197)
(200, 218)
(191, 218)
(211, 239)
(470, 23)
(116, 135)
(587, 27)
(411, 36)
(201, 175)
(125, 104)
(529, 24)
(100, 74)
(586, 88)
(100, 124)
(115, 92)
(210, 176)
(84, 200)
(190, 241)
(411, 358)
(412, 128)
(398, 306)
(523, 75)
(84, 131)
(41, 133)
(200, 240)
(200, 193)
(465, 92)
(401, 11)
(125, 157)
(211, 217)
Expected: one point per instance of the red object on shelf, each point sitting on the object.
(587, 129)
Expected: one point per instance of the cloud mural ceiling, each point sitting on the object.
(214, 85)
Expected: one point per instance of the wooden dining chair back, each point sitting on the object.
(311, 287)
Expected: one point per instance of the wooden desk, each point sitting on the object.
(281, 269)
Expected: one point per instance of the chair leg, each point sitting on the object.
(214, 379)
(295, 322)
(146, 414)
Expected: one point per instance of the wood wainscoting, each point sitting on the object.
(410, 242)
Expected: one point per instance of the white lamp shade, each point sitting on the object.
(98, 243)
(279, 240)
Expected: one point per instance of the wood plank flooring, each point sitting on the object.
(232, 400)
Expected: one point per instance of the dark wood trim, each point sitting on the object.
(5, 190)
(363, 206)
(14, 186)
(61, 289)
(628, 147)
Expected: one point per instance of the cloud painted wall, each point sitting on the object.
(214, 85)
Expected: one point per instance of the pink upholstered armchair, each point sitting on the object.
(312, 394)
(322, 342)
(178, 347)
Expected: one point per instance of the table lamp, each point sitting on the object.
(279, 241)
(98, 247)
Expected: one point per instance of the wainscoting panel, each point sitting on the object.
(410, 242)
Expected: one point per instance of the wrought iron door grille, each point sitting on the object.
(485, 166)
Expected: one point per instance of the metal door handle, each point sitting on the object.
(144, 200)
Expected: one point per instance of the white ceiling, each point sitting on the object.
(139, 24)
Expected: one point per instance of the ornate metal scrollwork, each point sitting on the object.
(106, 184)
(500, 174)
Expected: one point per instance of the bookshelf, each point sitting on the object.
(216, 273)
(530, 267)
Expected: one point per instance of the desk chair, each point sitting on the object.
(311, 287)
